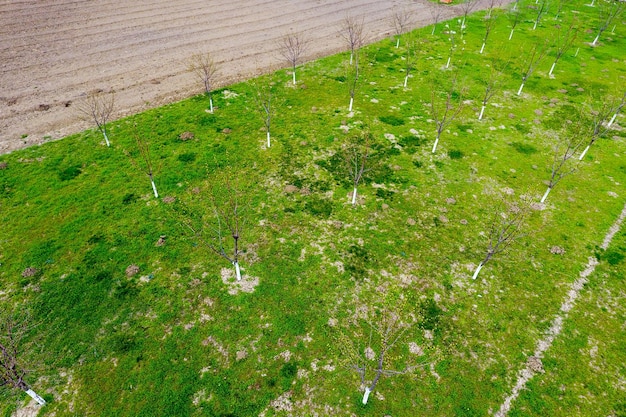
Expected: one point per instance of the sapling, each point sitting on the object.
(412, 47)
(357, 152)
(541, 10)
(597, 121)
(353, 79)
(445, 107)
(145, 164)
(221, 229)
(13, 351)
(533, 59)
(292, 47)
(452, 39)
(352, 30)
(617, 110)
(435, 12)
(507, 226)
(489, 23)
(206, 69)
(563, 42)
(515, 16)
(375, 338)
(467, 6)
(264, 96)
(562, 161)
(493, 84)
(97, 107)
(401, 23)
(608, 11)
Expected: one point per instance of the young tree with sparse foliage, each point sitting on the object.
(598, 119)
(221, 228)
(534, 57)
(357, 152)
(445, 106)
(541, 10)
(435, 12)
(264, 100)
(563, 164)
(564, 40)
(401, 19)
(352, 30)
(617, 110)
(492, 85)
(97, 107)
(206, 69)
(508, 224)
(292, 47)
(144, 162)
(13, 346)
(609, 10)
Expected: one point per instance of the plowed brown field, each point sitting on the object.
(52, 52)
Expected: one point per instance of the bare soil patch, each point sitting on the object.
(53, 52)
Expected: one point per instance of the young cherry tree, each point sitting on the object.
(293, 47)
(534, 57)
(597, 119)
(541, 10)
(452, 40)
(618, 109)
(564, 40)
(507, 226)
(445, 107)
(435, 13)
(608, 11)
(410, 58)
(373, 344)
(13, 347)
(357, 152)
(206, 69)
(402, 20)
(492, 85)
(467, 6)
(352, 30)
(515, 16)
(353, 79)
(489, 24)
(563, 159)
(221, 228)
(264, 100)
(144, 161)
(97, 107)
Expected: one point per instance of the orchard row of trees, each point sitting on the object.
(221, 228)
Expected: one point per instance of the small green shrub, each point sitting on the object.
(319, 207)
(391, 120)
(187, 157)
(455, 154)
(70, 173)
(524, 148)
(129, 198)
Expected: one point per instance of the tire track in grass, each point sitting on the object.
(556, 326)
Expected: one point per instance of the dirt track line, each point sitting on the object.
(527, 373)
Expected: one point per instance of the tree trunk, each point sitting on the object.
(482, 48)
(35, 397)
(612, 120)
(354, 196)
(482, 110)
(433, 31)
(552, 68)
(582, 155)
(106, 138)
(366, 395)
(156, 195)
(351, 54)
(294, 76)
(268, 139)
(398, 42)
(535, 25)
(211, 104)
(237, 270)
(546, 195)
(596, 40)
(435, 145)
(406, 80)
(511, 34)
(448, 63)
(480, 266)
(519, 92)
(351, 102)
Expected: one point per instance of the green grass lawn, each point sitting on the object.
(173, 341)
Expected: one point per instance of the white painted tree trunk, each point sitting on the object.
(511, 34)
(211, 104)
(351, 102)
(480, 266)
(545, 195)
(612, 120)
(482, 48)
(398, 42)
(433, 31)
(351, 54)
(294, 76)
(552, 68)
(106, 138)
(237, 270)
(519, 92)
(482, 111)
(269, 143)
(463, 23)
(577, 51)
(514, 6)
(35, 397)
(354, 196)
(535, 25)
(595, 40)
(156, 195)
(448, 63)
(435, 145)
(593, 2)
(406, 80)
(366, 395)
(582, 155)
